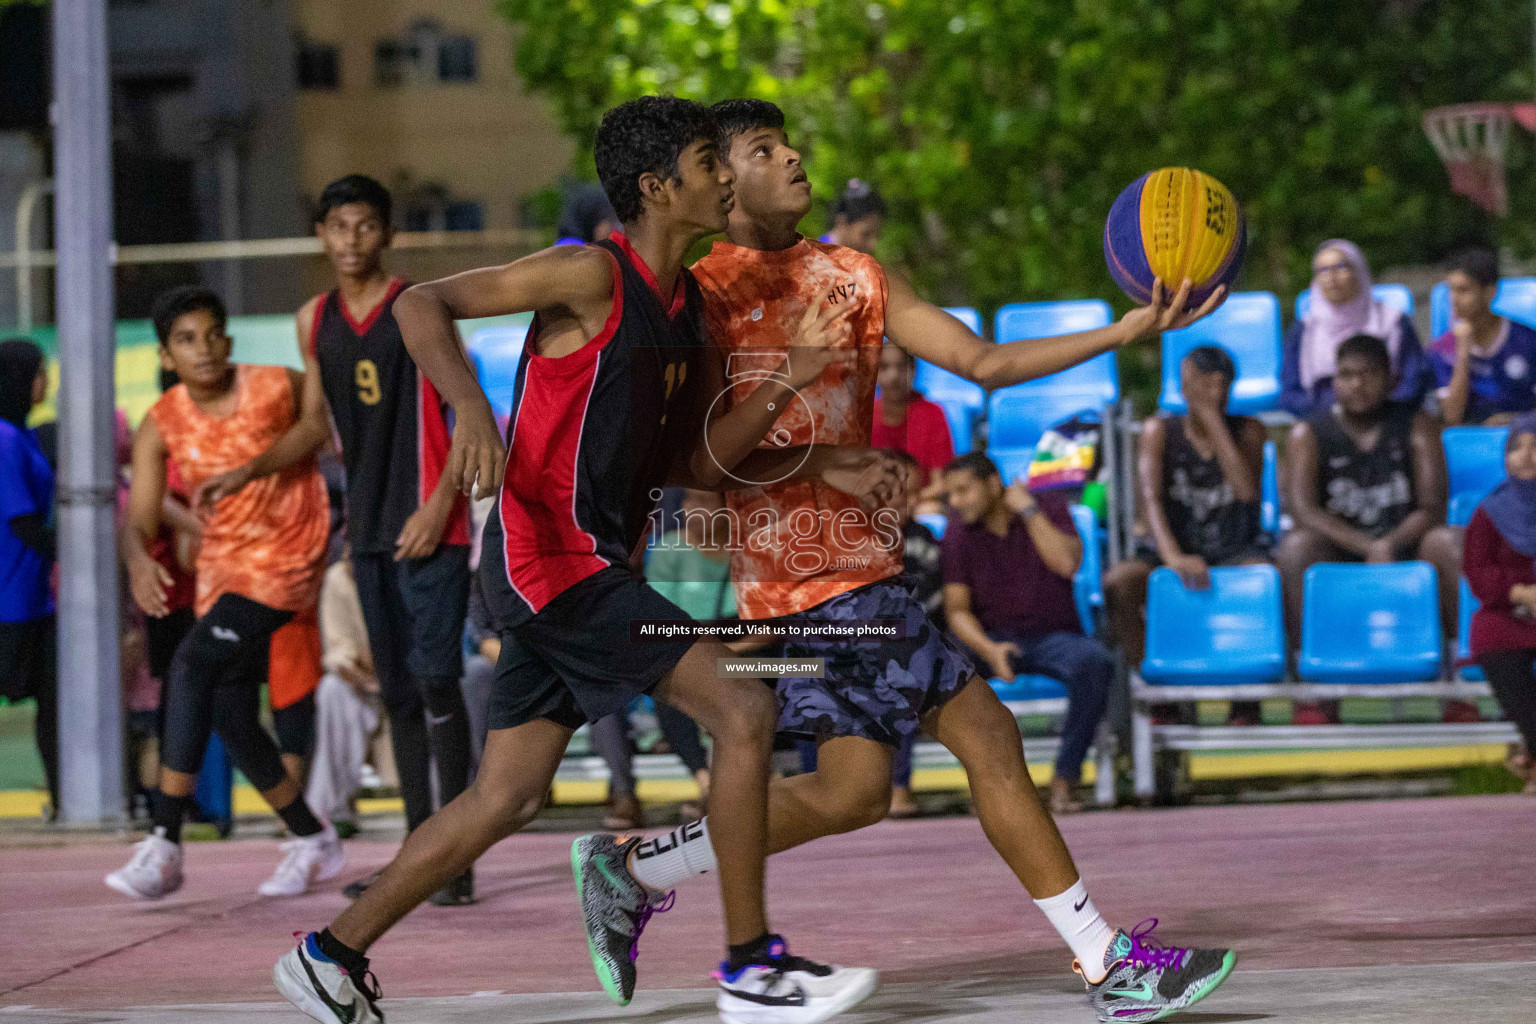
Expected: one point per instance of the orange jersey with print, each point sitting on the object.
(803, 541)
(266, 541)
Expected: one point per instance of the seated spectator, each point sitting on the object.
(1198, 485)
(1500, 549)
(1342, 306)
(857, 217)
(1008, 565)
(1367, 483)
(907, 422)
(347, 703)
(586, 217)
(1485, 365)
(28, 637)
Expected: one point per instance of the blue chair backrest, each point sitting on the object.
(495, 349)
(1466, 607)
(1088, 581)
(1398, 296)
(1248, 326)
(1516, 299)
(1016, 417)
(1474, 458)
(1232, 632)
(1370, 623)
(1269, 491)
(1463, 505)
(962, 400)
(1012, 463)
(1020, 321)
(935, 521)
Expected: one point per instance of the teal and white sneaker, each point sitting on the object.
(1149, 981)
(615, 908)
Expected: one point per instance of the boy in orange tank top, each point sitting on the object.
(244, 440)
(819, 559)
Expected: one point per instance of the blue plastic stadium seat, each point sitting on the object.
(1028, 688)
(963, 401)
(1370, 624)
(495, 349)
(1463, 505)
(1474, 459)
(936, 522)
(1398, 296)
(1018, 415)
(1248, 326)
(1269, 491)
(1232, 632)
(1088, 581)
(1464, 609)
(1516, 299)
(1012, 463)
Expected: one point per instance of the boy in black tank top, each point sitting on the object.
(1367, 484)
(407, 524)
(614, 397)
(1198, 480)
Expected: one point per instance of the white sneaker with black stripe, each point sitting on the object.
(784, 989)
(317, 985)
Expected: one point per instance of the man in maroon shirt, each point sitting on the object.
(1008, 565)
(906, 421)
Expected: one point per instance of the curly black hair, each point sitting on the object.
(1212, 359)
(646, 136)
(738, 116)
(178, 302)
(354, 188)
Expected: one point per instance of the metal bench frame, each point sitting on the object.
(925, 754)
(1148, 740)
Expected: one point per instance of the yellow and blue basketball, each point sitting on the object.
(1173, 224)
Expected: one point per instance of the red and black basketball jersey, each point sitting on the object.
(591, 440)
(392, 424)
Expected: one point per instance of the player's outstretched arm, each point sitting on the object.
(147, 578)
(927, 332)
(574, 278)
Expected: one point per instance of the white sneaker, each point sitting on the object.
(153, 871)
(306, 860)
(785, 989)
(319, 987)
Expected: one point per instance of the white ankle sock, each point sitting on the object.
(1080, 925)
(662, 862)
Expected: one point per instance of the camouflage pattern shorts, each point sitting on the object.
(877, 691)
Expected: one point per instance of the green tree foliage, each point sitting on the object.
(1001, 130)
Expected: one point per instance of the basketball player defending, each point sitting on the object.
(613, 385)
(407, 523)
(244, 438)
(763, 277)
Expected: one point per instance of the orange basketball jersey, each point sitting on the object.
(267, 541)
(803, 541)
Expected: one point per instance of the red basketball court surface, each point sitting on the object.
(1359, 911)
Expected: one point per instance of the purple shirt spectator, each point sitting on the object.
(1013, 593)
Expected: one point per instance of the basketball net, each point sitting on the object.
(1471, 139)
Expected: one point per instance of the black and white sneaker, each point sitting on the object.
(784, 989)
(317, 985)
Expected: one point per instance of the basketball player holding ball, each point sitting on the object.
(756, 285)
